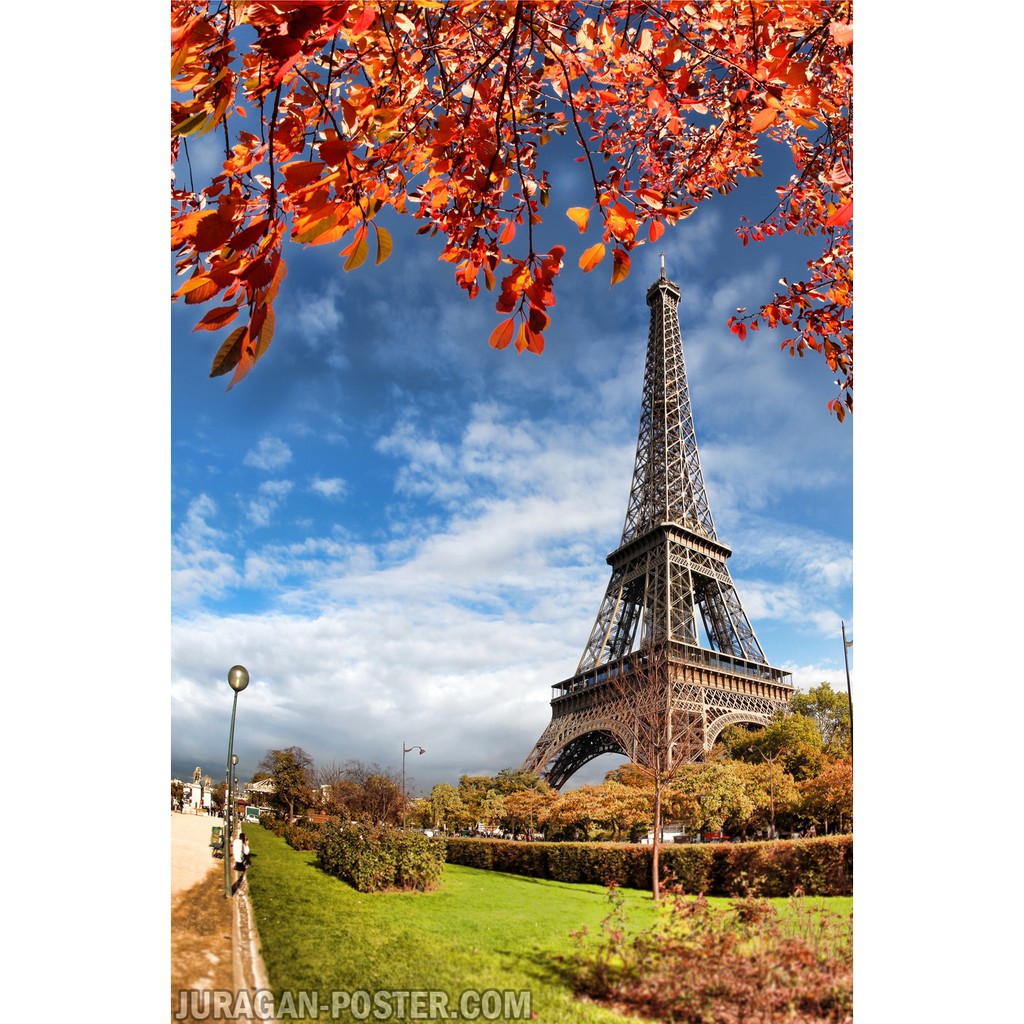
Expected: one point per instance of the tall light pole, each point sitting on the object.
(847, 644)
(405, 750)
(238, 680)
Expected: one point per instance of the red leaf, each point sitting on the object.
(841, 216)
(620, 266)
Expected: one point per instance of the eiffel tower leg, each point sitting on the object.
(572, 740)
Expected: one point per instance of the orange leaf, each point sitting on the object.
(266, 332)
(217, 318)
(357, 251)
(580, 216)
(762, 119)
(655, 230)
(502, 334)
(508, 234)
(211, 230)
(592, 257)
(301, 172)
(620, 266)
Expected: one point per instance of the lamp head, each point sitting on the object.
(238, 678)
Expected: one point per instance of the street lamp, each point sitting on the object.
(405, 750)
(238, 680)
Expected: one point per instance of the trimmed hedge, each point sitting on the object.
(376, 859)
(820, 867)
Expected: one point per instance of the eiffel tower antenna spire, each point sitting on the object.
(670, 594)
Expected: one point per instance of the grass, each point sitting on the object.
(481, 930)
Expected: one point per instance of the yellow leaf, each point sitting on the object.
(580, 216)
(384, 244)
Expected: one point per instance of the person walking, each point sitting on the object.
(239, 855)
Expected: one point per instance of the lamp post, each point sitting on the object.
(847, 644)
(238, 680)
(405, 750)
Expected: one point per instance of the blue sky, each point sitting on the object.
(402, 532)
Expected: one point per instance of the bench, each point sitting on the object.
(217, 841)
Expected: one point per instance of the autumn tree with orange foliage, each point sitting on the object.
(330, 113)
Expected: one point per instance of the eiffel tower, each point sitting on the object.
(669, 579)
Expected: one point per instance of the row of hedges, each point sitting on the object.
(376, 859)
(820, 867)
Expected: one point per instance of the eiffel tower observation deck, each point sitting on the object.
(672, 658)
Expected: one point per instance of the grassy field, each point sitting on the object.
(482, 930)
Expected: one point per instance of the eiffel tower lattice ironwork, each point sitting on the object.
(669, 579)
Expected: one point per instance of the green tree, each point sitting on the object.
(795, 737)
(292, 772)
(774, 799)
(713, 793)
(831, 712)
(447, 809)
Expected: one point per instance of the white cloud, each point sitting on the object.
(199, 568)
(270, 496)
(334, 487)
(270, 454)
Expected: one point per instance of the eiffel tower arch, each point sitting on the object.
(671, 638)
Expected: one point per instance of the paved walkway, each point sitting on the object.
(191, 858)
(192, 862)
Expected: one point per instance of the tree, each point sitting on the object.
(831, 713)
(716, 792)
(527, 810)
(827, 798)
(665, 738)
(795, 737)
(447, 808)
(292, 772)
(333, 113)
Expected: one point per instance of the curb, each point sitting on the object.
(246, 960)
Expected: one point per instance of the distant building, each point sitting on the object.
(197, 796)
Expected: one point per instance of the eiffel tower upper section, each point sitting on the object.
(668, 515)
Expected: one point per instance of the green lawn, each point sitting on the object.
(482, 930)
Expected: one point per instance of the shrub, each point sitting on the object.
(698, 964)
(301, 837)
(380, 858)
